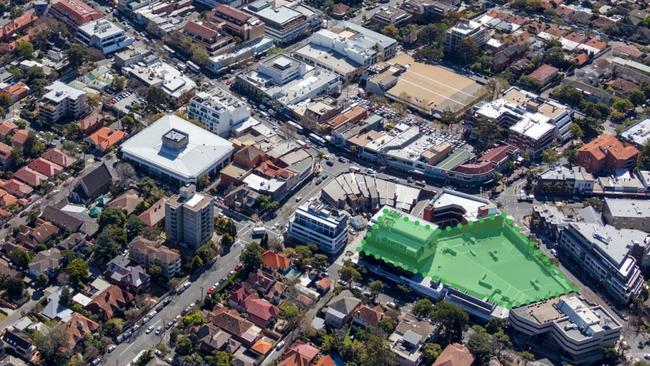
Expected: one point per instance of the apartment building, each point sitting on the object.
(237, 23)
(209, 35)
(149, 252)
(604, 254)
(103, 35)
(219, 111)
(74, 13)
(606, 152)
(318, 224)
(465, 29)
(283, 24)
(579, 329)
(61, 101)
(189, 217)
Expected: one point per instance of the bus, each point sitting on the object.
(302, 144)
(192, 66)
(317, 139)
(295, 125)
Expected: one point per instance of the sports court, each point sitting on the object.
(433, 89)
(489, 259)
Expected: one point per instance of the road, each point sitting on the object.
(141, 341)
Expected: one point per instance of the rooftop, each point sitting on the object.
(58, 91)
(639, 133)
(204, 149)
(628, 207)
(101, 28)
(493, 251)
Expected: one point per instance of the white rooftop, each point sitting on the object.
(101, 28)
(58, 91)
(638, 133)
(203, 151)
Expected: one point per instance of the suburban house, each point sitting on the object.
(45, 262)
(341, 309)
(241, 329)
(108, 301)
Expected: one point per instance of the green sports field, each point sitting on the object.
(490, 259)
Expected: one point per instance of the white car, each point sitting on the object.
(111, 348)
(158, 330)
(149, 329)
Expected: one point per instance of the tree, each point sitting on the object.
(220, 358)
(486, 132)
(577, 131)
(53, 346)
(66, 296)
(78, 271)
(452, 321)
(423, 308)
(106, 247)
(550, 156)
(349, 274)
(251, 257)
(266, 203)
(133, 226)
(526, 356)
(21, 257)
(289, 312)
(431, 352)
(197, 263)
(479, 344)
(184, 345)
(375, 287)
(24, 49)
(199, 55)
(119, 82)
(156, 96)
(227, 240)
(77, 55)
(112, 216)
(610, 356)
(644, 157)
(15, 287)
(42, 280)
(391, 31)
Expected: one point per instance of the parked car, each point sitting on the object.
(149, 329)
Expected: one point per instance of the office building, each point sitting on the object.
(464, 30)
(61, 101)
(627, 213)
(176, 150)
(606, 152)
(238, 54)
(604, 253)
(283, 23)
(237, 23)
(219, 111)
(164, 76)
(580, 330)
(74, 13)
(189, 218)
(103, 35)
(318, 224)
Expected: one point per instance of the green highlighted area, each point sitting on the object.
(489, 259)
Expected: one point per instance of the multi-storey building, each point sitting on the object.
(237, 23)
(74, 13)
(103, 35)
(284, 24)
(627, 213)
(320, 225)
(189, 217)
(579, 329)
(465, 29)
(148, 252)
(604, 254)
(218, 111)
(62, 101)
(606, 152)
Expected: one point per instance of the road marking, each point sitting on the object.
(127, 348)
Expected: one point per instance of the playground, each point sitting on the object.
(490, 259)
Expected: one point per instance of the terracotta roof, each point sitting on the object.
(581, 59)
(16, 188)
(79, 325)
(45, 167)
(306, 350)
(16, 24)
(29, 176)
(276, 261)
(267, 168)
(324, 283)
(154, 214)
(340, 9)
(91, 122)
(201, 29)
(16, 90)
(604, 144)
(260, 308)
(629, 50)
(622, 85)
(544, 73)
(109, 300)
(5, 151)
(455, 355)
(58, 157)
(232, 12)
(293, 358)
(20, 136)
(7, 199)
(262, 347)
(596, 43)
(77, 11)
(6, 128)
(576, 37)
(370, 316)
(105, 138)
(239, 295)
(325, 361)
(230, 321)
(127, 201)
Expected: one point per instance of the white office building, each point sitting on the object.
(465, 29)
(321, 225)
(219, 111)
(103, 35)
(62, 100)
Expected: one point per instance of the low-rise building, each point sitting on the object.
(391, 15)
(606, 152)
(103, 35)
(320, 225)
(121, 272)
(164, 76)
(19, 343)
(604, 253)
(563, 180)
(627, 213)
(61, 101)
(455, 354)
(45, 262)
(237, 23)
(74, 13)
(148, 253)
(284, 23)
(341, 309)
(238, 54)
(638, 133)
(579, 329)
(219, 111)
(108, 300)
(407, 340)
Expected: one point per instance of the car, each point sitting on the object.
(159, 330)
(170, 359)
(167, 300)
(111, 348)
(298, 198)
(279, 345)
(342, 283)
(135, 328)
(329, 163)
(324, 176)
(276, 226)
(177, 318)
(127, 334)
(169, 324)
(158, 353)
(149, 329)
(145, 319)
(391, 305)
(342, 160)
(211, 290)
(239, 266)
(646, 356)
(96, 361)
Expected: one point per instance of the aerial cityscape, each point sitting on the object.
(324, 183)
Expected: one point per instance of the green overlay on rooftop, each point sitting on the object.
(490, 259)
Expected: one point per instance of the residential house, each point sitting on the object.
(303, 351)
(58, 157)
(91, 123)
(19, 139)
(455, 354)
(544, 74)
(120, 272)
(249, 157)
(147, 252)
(367, 316)
(77, 243)
(15, 91)
(108, 301)
(260, 281)
(40, 233)
(7, 199)
(154, 214)
(341, 309)
(78, 326)
(19, 343)
(71, 221)
(276, 261)
(106, 138)
(127, 201)
(55, 310)
(8, 270)
(16, 188)
(211, 338)
(45, 262)
(45, 167)
(29, 176)
(7, 128)
(92, 184)
(408, 339)
(260, 311)
(241, 329)
(6, 155)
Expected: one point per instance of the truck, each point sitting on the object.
(259, 231)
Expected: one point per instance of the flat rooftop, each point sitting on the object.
(638, 133)
(492, 252)
(433, 88)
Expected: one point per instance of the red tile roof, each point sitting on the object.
(596, 43)
(17, 24)
(76, 11)
(370, 316)
(6, 128)
(325, 361)
(260, 308)
(276, 261)
(45, 167)
(29, 176)
(78, 326)
(20, 136)
(231, 12)
(306, 350)
(544, 73)
(105, 138)
(58, 157)
(455, 355)
(154, 214)
(16, 188)
(109, 300)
